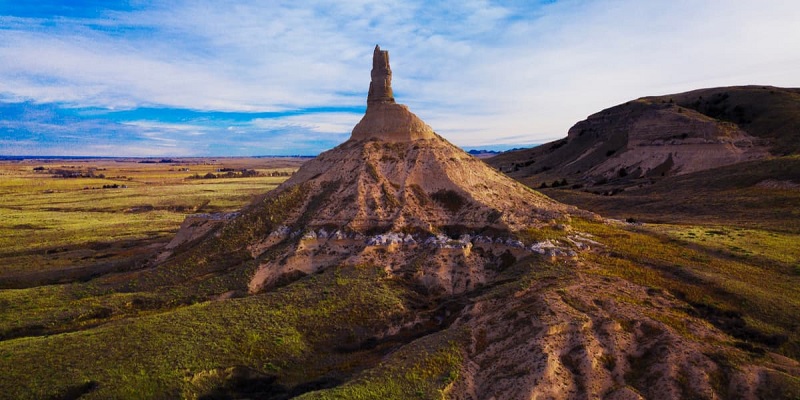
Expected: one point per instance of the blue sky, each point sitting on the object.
(226, 78)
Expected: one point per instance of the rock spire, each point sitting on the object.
(386, 120)
(380, 88)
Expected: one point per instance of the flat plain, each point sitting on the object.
(109, 214)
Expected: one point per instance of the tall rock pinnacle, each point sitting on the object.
(380, 88)
(386, 120)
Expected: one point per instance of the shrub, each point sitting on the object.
(449, 199)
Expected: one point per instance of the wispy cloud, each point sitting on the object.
(331, 122)
(515, 72)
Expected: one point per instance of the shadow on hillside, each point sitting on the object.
(246, 383)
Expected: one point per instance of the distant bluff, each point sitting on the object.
(650, 138)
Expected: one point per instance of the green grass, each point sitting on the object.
(775, 248)
(215, 266)
(425, 369)
(540, 234)
(285, 332)
(728, 196)
(58, 308)
(54, 223)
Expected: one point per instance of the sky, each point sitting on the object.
(247, 78)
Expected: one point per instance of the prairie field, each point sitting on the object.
(110, 212)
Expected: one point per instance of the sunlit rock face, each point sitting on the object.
(380, 87)
(386, 120)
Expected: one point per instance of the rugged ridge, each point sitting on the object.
(647, 139)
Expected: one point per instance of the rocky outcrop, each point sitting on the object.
(396, 173)
(647, 139)
(391, 122)
(386, 120)
(398, 189)
(380, 87)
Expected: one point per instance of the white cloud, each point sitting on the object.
(331, 122)
(473, 70)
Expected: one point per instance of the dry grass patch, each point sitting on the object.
(56, 223)
(752, 303)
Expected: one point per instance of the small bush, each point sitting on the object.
(449, 199)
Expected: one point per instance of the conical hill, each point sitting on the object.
(395, 173)
(394, 188)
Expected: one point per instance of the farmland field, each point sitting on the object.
(66, 219)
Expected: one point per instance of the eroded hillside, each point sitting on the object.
(645, 140)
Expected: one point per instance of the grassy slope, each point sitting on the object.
(424, 369)
(753, 299)
(285, 332)
(727, 195)
(750, 244)
(213, 267)
(291, 333)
